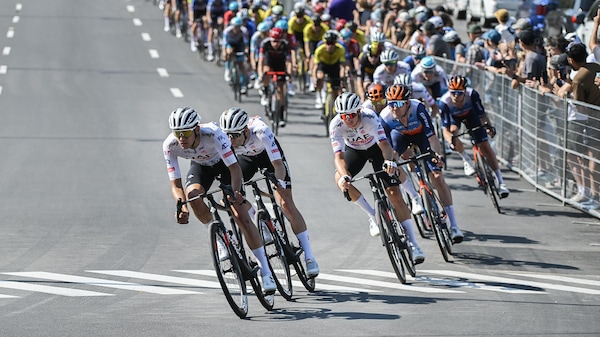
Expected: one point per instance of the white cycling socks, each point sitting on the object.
(364, 205)
(451, 217)
(261, 258)
(305, 243)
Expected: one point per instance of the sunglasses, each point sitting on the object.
(184, 133)
(330, 43)
(235, 134)
(348, 116)
(396, 104)
(428, 71)
(389, 64)
(457, 92)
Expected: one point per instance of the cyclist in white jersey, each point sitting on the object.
(432, 76)
(209, 150)
(356, 137)
(419, 92)
(256, 147)
(390, 67)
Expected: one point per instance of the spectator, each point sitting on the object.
(593, 44)
(534, 66)
(343, 9)
(473, 32)
(436, 46)
(505, 31)
(457, 49)
(585, 90)
(495, 60)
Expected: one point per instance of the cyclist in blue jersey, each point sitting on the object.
(406, 122)
(216, 11)
(463, 105)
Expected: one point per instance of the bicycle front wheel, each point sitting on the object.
(435, 218)
(275, 113)
(228, 271)
(266, 300)
(275, 255)
(329, 111)
(390, 241)
(491, 185)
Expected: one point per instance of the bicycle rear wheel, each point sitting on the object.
(266, 300)
(228, 271)
(294, 252)
(275, 113)
(329, 110)
(235, 81)
(275, 255)
(435, 218)
(391, 243)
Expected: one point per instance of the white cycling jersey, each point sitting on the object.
(213, 147)
(438, 76)
(368, 133)
(381, 76)
(422, 94)
(261, 139)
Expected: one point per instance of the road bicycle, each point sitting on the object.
(280, 237)
(236, 75)
(486, 178)
(276, 110)
(200, 36)
(302, 73)
(233, 266)
(420, 219)
(433, 213)
(393, 236)
(216, 43)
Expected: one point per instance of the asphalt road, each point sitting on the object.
(88, 241)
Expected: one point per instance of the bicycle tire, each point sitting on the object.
(266, 300)
(329, 111)
(275, 114)
(480, 172)
(405, 251)
(275, 255)
(235, 83)
(435, 219)
(491, 186)
(228, 272)
(389, 241)
(294, 252)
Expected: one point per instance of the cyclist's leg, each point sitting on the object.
(167, 14)
(198, 178)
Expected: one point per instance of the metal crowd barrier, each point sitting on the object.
(536, 135)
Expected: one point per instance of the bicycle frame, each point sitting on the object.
(276, 99)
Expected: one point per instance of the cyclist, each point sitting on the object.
(329, 59)
(389, 68)
(463, 105)
(407, 122)
(209, 150)
(357, 137)
(274, 55)
(432, 76)
(313, 33)
(369, 60)
(216, 10)
(419, 92)
(357, 34)
(417, 53)
(198, 10)
(256, 147)
(178, 4)
(291, 39)
(352, 53)
(296, 25)
(231, 13)
(375, 98)
(235, 38)
(256, 40)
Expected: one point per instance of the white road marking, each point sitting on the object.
(512, 281)
(445, 282)
(296, 284)
(103, 283)
(558, 278)
(161, 278)
(0, 90)
(10, 33)
(146, 37)
(6, 51)
(8, 296)
(15, 19)
(18, 7)
(49, 290)
(3, 69)
(153, 53)
(162, 72)
(176, 92)
(392, 285)
(130, 8)
(137, 22)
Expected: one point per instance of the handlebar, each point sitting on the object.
(226, 189)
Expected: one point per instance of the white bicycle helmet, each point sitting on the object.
(388, 56)
(417, 50)
(404, 79)
(347, 102)
(183, 118)
(378, 37)
(233, 120)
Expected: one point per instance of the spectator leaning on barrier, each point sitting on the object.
(494, 61)
(433, 29)
(593, 44)
(585, 90)
(533, 68)
(506, 33)
(476, 47)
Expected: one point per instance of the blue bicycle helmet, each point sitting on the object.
(236, 21)
(346, 33)
(233, 6)
(283, 24)
(263, 27)
(428, 63)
